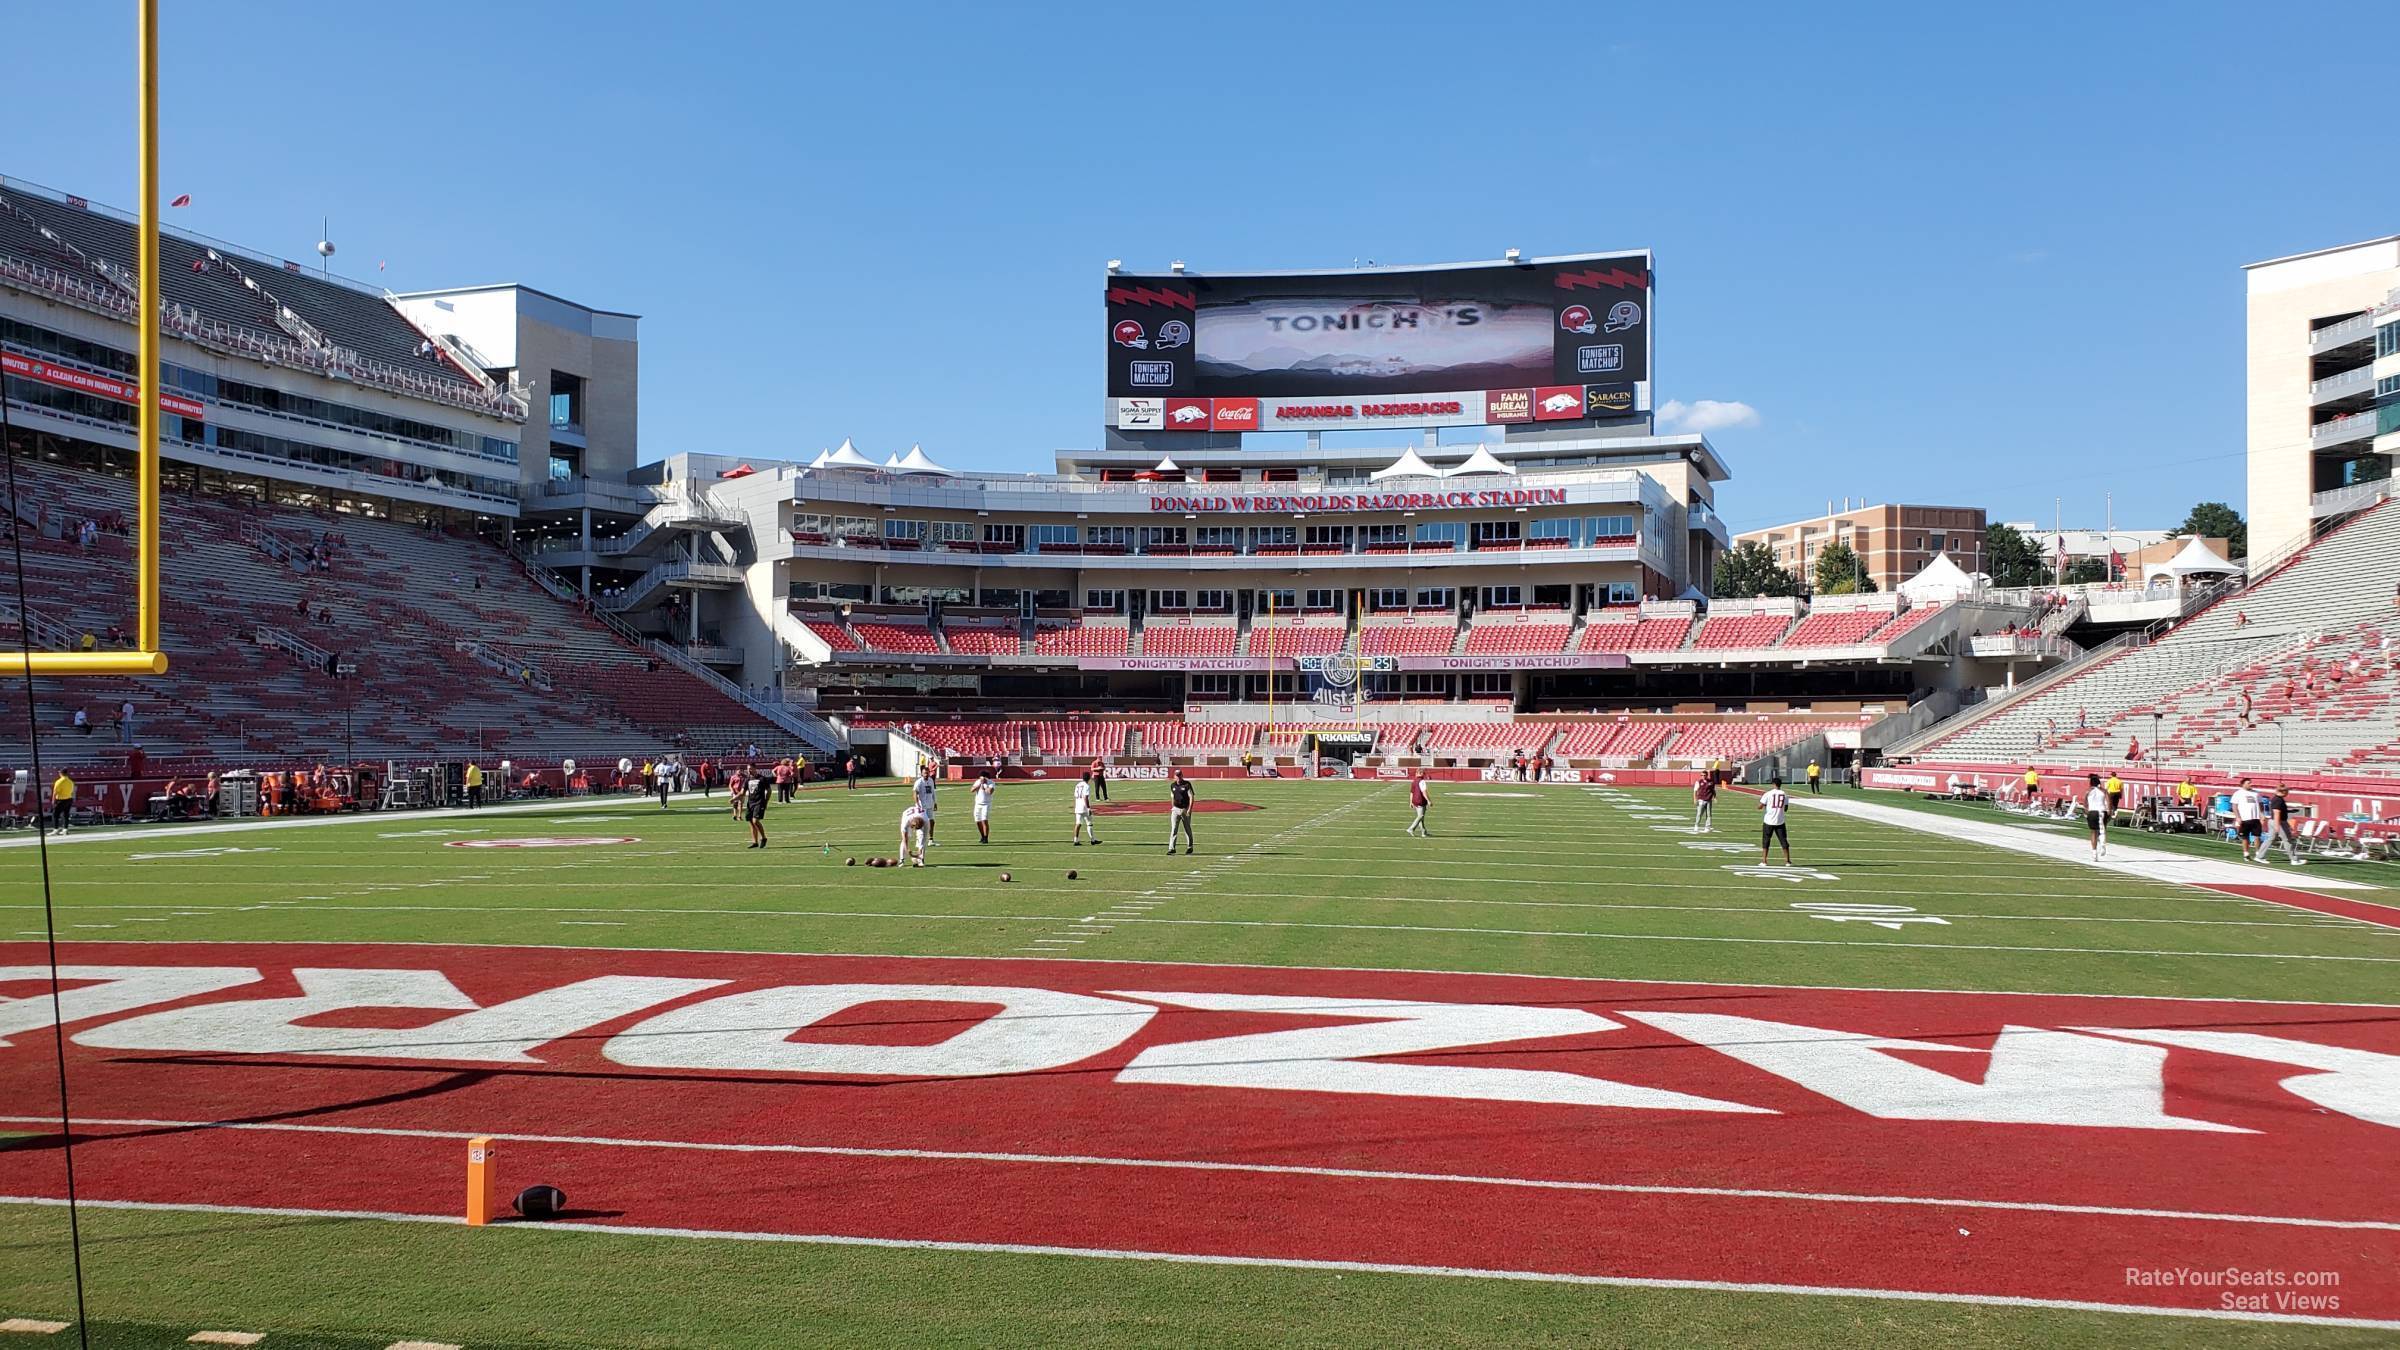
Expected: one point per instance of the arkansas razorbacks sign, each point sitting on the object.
(1951, 1145)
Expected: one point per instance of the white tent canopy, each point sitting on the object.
(819, 461)
(1409, 465)
(1482, 461)
(2195, 559)
(1166, 464)
(846, 456)
(1941, 581)
(917, 461)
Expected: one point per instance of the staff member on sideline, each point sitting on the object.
(1704, 804)
(1179, 812)
(1773, 803)
(2279, 826)
(62, 802)
(1816, 773)
(2248, 828)
(474, 785)
(1418, 800)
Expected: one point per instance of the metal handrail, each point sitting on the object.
(807, 726)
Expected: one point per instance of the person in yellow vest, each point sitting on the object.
(474, 785)
(2033, 787)
(62, 802)
(2115, 788)
(1816, 773)
(2187, 795)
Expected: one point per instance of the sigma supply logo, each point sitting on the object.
(1141, 414)
(1235, 414)
(1623, 315)
(1576, 318)
(1605, 359)
(1187, 414)
(1508, 405)
(1558, 403)
(1174, 333)
(1607, 400)
(1129, 333)
(1151, 374)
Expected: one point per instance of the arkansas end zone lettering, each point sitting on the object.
(2087, 1074)
(1958, 1145)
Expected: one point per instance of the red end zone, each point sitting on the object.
(1957, 1145)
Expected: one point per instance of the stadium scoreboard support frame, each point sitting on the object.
(146, 658)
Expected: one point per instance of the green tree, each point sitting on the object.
(1750, 569)
(2012, 559)
(2216, 520)
(1839, 572)
(2084, 570)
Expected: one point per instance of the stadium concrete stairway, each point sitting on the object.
(2324, 621)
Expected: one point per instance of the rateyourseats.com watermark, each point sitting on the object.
(2239, 1290)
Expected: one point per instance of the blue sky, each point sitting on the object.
(1974, 255)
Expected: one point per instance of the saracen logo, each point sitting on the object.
(1558, 403)
(1576, 319)
(1187, 414)
(1235, 414)
(1147, 295)
(1508, 405)
(1129, 333)
(1595, 278)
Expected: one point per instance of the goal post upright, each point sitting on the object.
(147, 658)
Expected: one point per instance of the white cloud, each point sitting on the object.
(1705, 415)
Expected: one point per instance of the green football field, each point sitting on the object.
(231, 1198)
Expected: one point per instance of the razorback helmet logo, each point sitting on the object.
(1576, 318)
(1129, 333)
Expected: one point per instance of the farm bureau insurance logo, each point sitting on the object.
(545, 841)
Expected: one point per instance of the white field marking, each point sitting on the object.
(33, 1326)
(423, 1345)
(1338, 970)
(1760, 941)
(225, 1338)
(1131, 913)
(1379, 928)
(1700, 881)
(1770, 909)
(2124, 859)
(141, 833)
(1270, 1262)
(1248, 1168)
(589, 923)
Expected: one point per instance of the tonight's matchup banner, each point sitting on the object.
(1367, 338)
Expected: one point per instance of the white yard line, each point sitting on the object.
(2131, 860)
(1251, 1168)
(1270, 1262)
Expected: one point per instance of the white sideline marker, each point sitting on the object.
(422, 1345)
(226, 1338)
(33, 1326)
